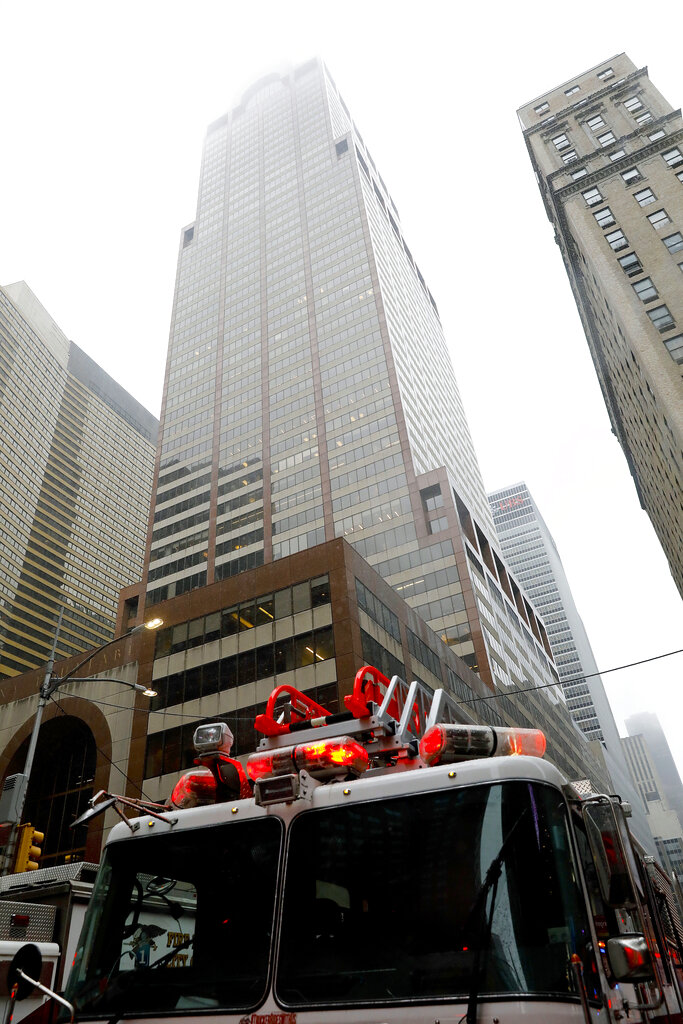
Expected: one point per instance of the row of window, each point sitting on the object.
(378, 611)
(603, 76)
(658, 219)
(271, 659)
(645, 289)
(256, 611)
(631, 176)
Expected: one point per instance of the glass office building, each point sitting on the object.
(532, 554)
(75, 484)
(309, 393)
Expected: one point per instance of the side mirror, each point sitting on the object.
(609, 855)
(24, 970)
(629, 958)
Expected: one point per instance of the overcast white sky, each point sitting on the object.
(105, 106)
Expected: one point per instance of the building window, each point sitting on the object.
(675, 348)
(607, 139)
(645, 197)
(341, 146)
(541, 108)
(617, 154)
(596, 123)
(661, 318)
(573, 91)
(605, 74)
(560, 142)
(631, 176)
(659, 219)
(569, 156)
(645, 290)
(673, 158)
(633, 104)
(617, 239)
(674, 243)
(659, 134)
(581, 173)
(604, 217)
(680, 176)
(592, 196)
(630, 264)
(644, 118)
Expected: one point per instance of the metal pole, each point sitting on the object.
(33, 743)
(44, 697)
(49, 685)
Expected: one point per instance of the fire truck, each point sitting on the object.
(390, 863)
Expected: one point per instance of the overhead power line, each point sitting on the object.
(574, 679)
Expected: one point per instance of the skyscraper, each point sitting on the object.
(75, 482)
(646, 724)
(532, 554)
(309, 393)
(607, 150)
(663, 822)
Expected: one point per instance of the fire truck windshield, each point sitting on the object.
(180, 922)
(456, 893)
(453, 894)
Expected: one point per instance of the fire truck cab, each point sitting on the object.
(392, 863)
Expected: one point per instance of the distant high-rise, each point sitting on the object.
(532, 554)
(607, 150)
(663, 822)
(75, 483)
(309, 393)
(646, 724)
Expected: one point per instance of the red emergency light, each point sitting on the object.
(444, 744)
(320, 758)
(194, 789)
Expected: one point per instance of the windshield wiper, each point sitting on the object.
(478, 915)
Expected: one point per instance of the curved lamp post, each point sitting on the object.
(48, 687)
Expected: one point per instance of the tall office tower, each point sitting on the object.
(663, 822)
(646, 724)
(76, 468)
(309, 393)
(532, 554)
(607, 150)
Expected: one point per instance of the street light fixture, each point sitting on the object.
(48, 687)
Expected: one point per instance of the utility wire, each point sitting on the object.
(573, 680)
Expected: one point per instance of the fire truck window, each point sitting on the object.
(181, 922)
(388, 901)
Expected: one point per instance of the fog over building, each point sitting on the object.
(317, 503)
(309, 394)
(662, 820)
(607, 151)
(646, 724)
(75, 482)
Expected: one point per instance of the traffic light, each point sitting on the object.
(28, 848)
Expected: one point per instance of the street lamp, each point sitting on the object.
(48, 687)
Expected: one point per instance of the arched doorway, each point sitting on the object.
(60, 786)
